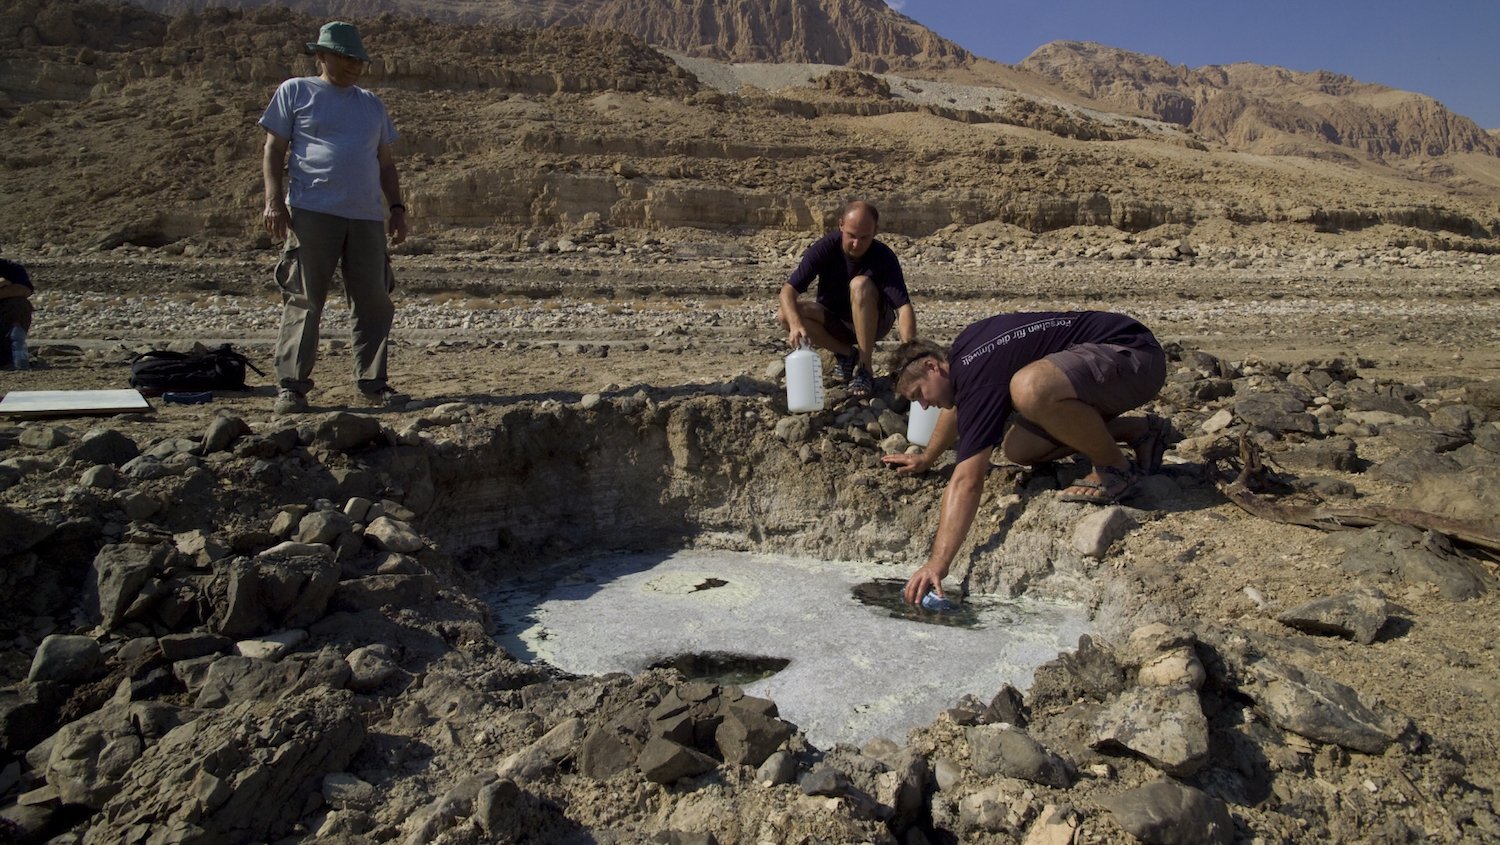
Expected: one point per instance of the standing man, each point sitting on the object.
(340, 183)
(1041, 386)
(861, 294)
(15, 315)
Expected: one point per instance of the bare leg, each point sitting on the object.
(864, 299)
(814, 318)
(1042, 393)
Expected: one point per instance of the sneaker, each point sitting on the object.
(384, 397)
(862, 384)
(843, 366)
(289, 401)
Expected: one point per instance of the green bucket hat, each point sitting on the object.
(342, 38)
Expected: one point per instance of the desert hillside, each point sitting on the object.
(127, 127)
(1265, 109)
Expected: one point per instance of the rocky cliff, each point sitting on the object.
(1265, 109)
(862, 33)
(127, 127)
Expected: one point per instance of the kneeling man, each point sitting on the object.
(1041, 386)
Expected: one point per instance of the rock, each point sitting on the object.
(1171, 813)
(496, 807)
(89, 757)
(1406, 468)
(1334, 453)
(101, 477)
(323, 526)
(1319, 708)
(393, 535)
(376, 591)
(826, 781)
(105, 446)
(1355, 616)
(993, 810)
(794, 429)
(223, 432)
(1166, 656)
(1276, 412)
(371, 666)
(271, 647)
(233, 679)
(138, 506)
(65, 658)
(199, 546)
(345, 791)
(118, 574)
(664, 761)
(1470, 495)
(1007, 707)
(43, 437)
(1098, 530)
(1411, 555)
(1009, 752)
(28, 711)
(175, 647)
(1164, 725)
(779, 768)
(187, 789)
(345, 432)
(746, 737)
(544, 755)
(266, 593)
(1053, 827)
(1088, 672)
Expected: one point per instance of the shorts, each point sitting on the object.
(843, 330)
(1108, 377)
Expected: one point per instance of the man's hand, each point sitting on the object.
(909, 464)
(396, 228)
(277, 218)
(797, 336)
(929, 577)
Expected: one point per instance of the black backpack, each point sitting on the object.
(221, 368)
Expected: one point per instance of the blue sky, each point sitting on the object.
(1446, 49)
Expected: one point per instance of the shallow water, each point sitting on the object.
(859, 662)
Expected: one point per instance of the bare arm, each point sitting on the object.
(960, 503)
(273, 175)
(943, 436)
(390, 184)
(796, 332)
(906, 322)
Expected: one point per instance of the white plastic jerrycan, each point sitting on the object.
(921, 422)
(804, 380)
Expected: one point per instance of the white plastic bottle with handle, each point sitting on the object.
(804, 380)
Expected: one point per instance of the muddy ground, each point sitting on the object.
(542, 334)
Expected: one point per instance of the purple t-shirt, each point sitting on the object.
(827, 262)
(988, 353)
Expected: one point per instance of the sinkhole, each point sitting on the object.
(670, 528)
(828, 641)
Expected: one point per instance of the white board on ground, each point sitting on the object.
(36, 404)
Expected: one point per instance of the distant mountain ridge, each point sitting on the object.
(1259, 108)
(865, 34)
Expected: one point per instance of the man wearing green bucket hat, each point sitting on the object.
(333, 194)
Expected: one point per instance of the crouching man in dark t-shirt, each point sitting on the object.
(1040, 386)
(861, 295)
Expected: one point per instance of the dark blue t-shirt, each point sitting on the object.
(827, 262)
(988, 353)
(14, 273)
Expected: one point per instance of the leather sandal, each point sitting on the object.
(1112, 486)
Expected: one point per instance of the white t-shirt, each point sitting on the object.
(335, 135)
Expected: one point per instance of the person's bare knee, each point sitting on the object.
(1037, 386)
